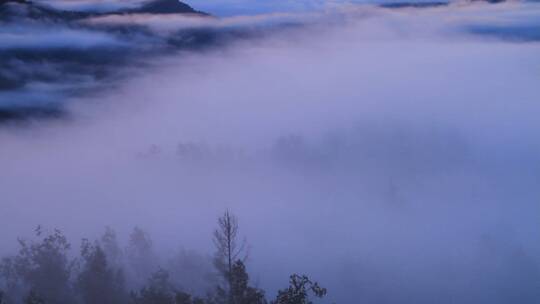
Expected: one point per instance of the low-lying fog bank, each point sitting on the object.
(391, 154)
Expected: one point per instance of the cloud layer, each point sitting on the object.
(392, 154)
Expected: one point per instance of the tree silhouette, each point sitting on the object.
(185, 298)
(157, 291)
(13, 284)
(33, 298)
(140, 256)
(241, 292)
(228, 250)
(298, 291)
(97, 282)
(44, 267)
(42, 273)
(111, 248)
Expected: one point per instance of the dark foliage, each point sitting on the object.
(298, 291)
(159, 290)
(185, 298)
(42, 273)
(33, 298)
(165, 7)
(140, 256)
(241, 292)
(98, 282)
(44, 268)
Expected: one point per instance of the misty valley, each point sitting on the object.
(269, 152)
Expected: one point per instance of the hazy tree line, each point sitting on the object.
(42, 272)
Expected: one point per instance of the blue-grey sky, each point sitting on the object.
(250, 7)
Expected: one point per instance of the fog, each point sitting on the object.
(393, 155)
(53, 38)
(92, 5)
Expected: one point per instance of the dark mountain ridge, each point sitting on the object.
(10, 9)
(25, 63)
(165, 7)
